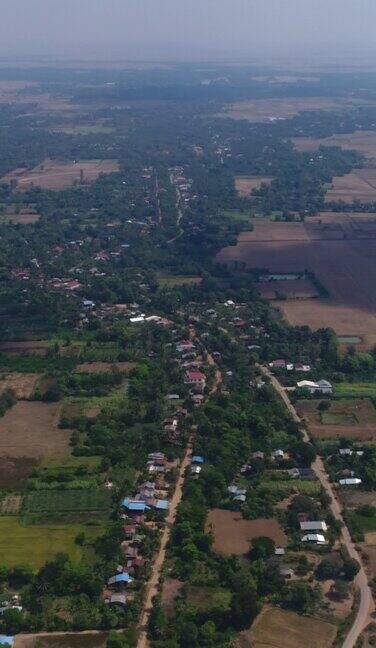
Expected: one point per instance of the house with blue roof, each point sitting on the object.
(162, 505)
(5, 640)
(124, 577)
(198, 459)
(137, 506)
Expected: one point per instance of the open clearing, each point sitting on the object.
(356, 390)
(36, 544)
(52, 174)
(30, 429)
(351, 418)
(19, 215)
(206, 599)
(66, 640)
(266, 110)
(171, 589)
(341, 256)
(360, 185)
(275, 628)
(22, 384)
(233, 535)
(105, 367)
(362, 141)
(244, 185)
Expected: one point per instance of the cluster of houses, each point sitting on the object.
(314, 530)
(289, 366)
(182, 184)
(190, 361)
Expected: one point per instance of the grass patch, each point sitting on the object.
(207, 599)
(338, 418)
(69, 462)
(170, 281)
(355, 390)
(66, 501)
(236, 214)
(291, 485)
(37, 544)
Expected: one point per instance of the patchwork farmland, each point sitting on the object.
(339, 256)
(52, 174)
(346, 418)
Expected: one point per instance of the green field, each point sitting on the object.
(34, 545)
(288, 486)
(67, 501)
(355, 390)
(207, 599)
(177, 280)
(236, 214)
(70, 462)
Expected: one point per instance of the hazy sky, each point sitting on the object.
(186, 29)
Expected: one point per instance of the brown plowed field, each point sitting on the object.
(360, 184)
(30, 429)
(292, 289)
(233, 535)
(265, 110)
(105, 367)
(351, 418)
(52, 174)
(362, 141)
(346, 267)
(22, 384)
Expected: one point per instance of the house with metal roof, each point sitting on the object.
(120, 578)
(318, 538)
(138, 506)
(350, 481)
(6, 640)
(161, 505)
(198, 459)
(317, 525)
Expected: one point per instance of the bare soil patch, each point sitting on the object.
(30, 430)
(11, 504)
(362, 141)
(52, 174)
(22, 384)
(170, 591)
(24, 346)
(244, 185)
(14, 471)
(355, 498)
(233, 535)
(105, 367)
(276, 628)
(269, 110)
(353, 418)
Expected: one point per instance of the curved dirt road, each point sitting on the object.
(366, 605)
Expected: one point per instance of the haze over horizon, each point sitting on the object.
(189, 30)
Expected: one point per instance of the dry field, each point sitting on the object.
(105, 367)
(25, 216)
(360, 184)
(244, 185)
(25, 346)
(52, 174)
(233, 535)
(266, 110)
(23, 384)
(30, 430)
(362, 141)
(171, 589)
(11, 505)
(15, 470)
(353, 498)
(344, 264)
(291, 289)
(350, 418)
(62, 640)
(276, 628)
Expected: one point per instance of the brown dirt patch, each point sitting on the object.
(14, 471)
(105, 367)
(52, 174)
(233, 535)
(170, 591)
(276, 628)
(92, 412)
(11, 505)
(369, 554)
(267, 110)
(291, 289)
(362, 141)
(351, 418)
(355, 498)
(24, 346)
(244, 185)
(30, 429)
(23, 384)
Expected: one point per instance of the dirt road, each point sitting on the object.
(366, 605)
(152, 585)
